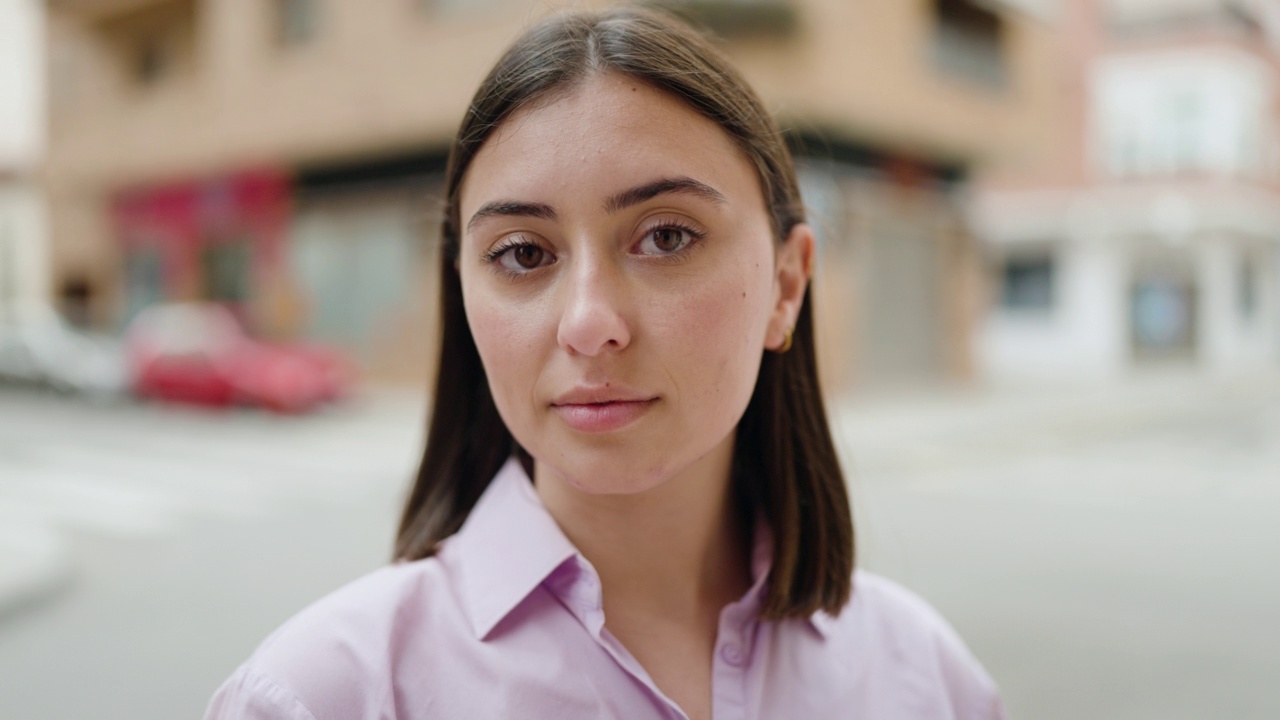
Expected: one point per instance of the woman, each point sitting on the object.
(630, 505)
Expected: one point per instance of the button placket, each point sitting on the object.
(733, 654)
(729, 679)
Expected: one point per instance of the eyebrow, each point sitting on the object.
(665, 186)
(511, 208)
(621, 201)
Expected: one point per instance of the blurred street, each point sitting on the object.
(1053, 227)
(1107, 551)
(186, 537)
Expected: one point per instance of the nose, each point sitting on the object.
(593, 319)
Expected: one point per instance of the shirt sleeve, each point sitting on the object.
(933, 666)
(971, 691)
(250, 695)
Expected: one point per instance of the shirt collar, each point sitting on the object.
(510, 544)
(507, 547)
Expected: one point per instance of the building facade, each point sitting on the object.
(1154, 239)
(284, 156)
(24, 273)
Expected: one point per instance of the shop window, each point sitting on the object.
(968, 42)
(824, 203)
(225, 269)
(356, 264)
(1248, 284)
(144, 280)
(297, 21)
(1162, 317)
(8, 266)
(1027, 283)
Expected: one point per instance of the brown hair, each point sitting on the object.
(785, 464)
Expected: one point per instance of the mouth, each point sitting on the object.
(588, 413)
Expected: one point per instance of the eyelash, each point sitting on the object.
(492, 255)
(511, 243)
(695, 236)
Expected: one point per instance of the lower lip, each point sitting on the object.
(602, 417)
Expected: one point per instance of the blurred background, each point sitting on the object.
(1048, 298)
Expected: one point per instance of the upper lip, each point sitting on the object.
(601, 394)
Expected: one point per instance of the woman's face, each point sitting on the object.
(621, 283)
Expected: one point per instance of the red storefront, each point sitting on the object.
(220, 239)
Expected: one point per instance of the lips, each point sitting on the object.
(600, 410)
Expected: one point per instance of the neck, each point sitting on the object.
(677, 551)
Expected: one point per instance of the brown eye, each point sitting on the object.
(668, 239)
(519, 256)
(528, 256)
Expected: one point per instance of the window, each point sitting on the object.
(152, 62)
(824, 200)
(968, 42)
(1162, 317)
(459, 8)
(8, 266)
(297, 21)
(1186, 121)
(225, 269)
(1027, 283)
(737, 18)
(144, 280)
(1196, 111)
(1248, 298)
(151, 46)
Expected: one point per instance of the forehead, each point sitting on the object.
(609, 132)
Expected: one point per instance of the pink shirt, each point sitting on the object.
(506, 622)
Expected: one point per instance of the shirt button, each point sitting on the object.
(732, 654)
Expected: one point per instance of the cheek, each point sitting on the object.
(507, 337)
(720, 326)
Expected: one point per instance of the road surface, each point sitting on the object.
(1108, 552)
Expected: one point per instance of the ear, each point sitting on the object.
(791, 279)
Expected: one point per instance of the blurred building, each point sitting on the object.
(1150, 233)
(23, 267)
(283, 156)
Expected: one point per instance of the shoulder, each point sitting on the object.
(911, 640)
(338, 657)
(892, 607)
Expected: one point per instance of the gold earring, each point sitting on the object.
(786, 343)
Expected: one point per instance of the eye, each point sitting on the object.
(518, 256)
(667, 240)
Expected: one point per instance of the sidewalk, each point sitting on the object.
(34, 563)
(949, 426)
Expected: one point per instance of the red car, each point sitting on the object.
(198, 353)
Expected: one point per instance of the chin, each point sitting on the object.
(607, 473)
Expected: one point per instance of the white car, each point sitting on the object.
(37, 346)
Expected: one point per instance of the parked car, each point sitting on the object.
(39, 347)
(199, 353)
